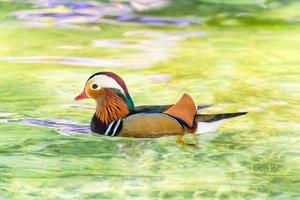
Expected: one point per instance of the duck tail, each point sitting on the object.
(211, 122)
(217, 117)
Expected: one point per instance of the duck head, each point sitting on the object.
(111, 95)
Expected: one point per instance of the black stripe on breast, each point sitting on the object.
(118, 128)
(114, 128)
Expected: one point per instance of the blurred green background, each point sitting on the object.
(238, 55)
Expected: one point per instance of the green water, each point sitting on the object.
(236, 63)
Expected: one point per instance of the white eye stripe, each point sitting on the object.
(104, 81)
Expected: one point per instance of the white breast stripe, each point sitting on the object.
(116, 127)
(108, 128)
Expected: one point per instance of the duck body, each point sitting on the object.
(141, 125)
(116, 114)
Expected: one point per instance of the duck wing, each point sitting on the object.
(161, 108)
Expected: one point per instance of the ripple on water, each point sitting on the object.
(159, 77)
(63, 127)
(91, 62)
(5, 114)
(156, 47)
(80, 106)
(66, 14)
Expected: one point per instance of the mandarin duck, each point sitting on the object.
(116, 114)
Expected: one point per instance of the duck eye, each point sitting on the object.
(95, 86)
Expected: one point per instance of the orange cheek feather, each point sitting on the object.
(94, 93)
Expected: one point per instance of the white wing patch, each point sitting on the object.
(206, 127)
(107, 82)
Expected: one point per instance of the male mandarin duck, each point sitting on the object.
(116, 114)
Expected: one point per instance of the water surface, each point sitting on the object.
(237, 55)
